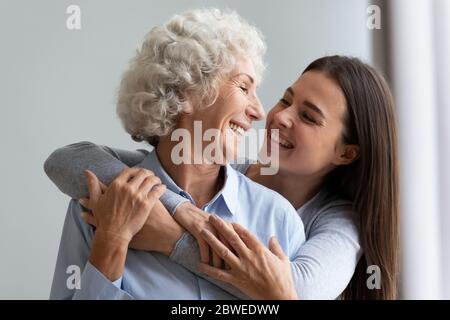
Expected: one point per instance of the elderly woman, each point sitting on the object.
(203, 65)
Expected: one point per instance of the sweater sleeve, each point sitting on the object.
(327, 260)
(65, 167)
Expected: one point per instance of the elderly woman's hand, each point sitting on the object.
(123, 208)
(159, 232)
(195, 220)
(120, 212)
(257, 271)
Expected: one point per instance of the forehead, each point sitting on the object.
(321, 90)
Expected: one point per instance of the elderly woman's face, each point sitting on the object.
(236, 107)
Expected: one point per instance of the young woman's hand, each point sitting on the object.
(257, 271)
(159, 233)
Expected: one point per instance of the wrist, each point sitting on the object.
(111, 240)
(182, 209)
(188, 214)
(283, 294)
(108, 255)
(175, 232)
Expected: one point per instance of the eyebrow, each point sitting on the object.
(246, 74)
(308, 104)
(314, 107)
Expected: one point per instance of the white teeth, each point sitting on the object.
(237, 129)
(281, 141)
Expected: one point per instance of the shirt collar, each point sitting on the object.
(229, 191)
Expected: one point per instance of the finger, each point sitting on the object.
(88, 218)
(275, 248)
(85, 203)
(216, 260)
(216, 273)
(218, 247)
(225, 242)
(148, 184)
(103, 186)
(156, 192)
(139, 177)
(204, 250)
(251, 241)
(227, 231)
(126, 174)
(93, 186)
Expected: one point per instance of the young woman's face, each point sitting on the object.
(234, 110)
(310, 119)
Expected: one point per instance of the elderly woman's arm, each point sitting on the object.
(75, 277)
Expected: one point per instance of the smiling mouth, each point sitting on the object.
(282, 142)
(237, 129)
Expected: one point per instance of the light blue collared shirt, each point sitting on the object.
(150, 275)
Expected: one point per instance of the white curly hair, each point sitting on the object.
(181, 64)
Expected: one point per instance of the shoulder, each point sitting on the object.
(268, 202)
(273, 213)
(330, 213)
(256, 192)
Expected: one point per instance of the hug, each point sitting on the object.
(140, 226)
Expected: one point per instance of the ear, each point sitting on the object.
(188, 105)
(187, 108)
(346, 154)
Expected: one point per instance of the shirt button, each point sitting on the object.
(183, 194)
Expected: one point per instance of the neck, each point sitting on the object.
(297, 189)
(201, 181)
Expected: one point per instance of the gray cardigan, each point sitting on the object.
(328, 257)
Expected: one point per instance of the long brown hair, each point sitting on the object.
(370, 182)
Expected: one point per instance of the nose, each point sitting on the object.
(255, 110)
(283, 118)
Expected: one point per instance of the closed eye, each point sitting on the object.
(244, 89)
(308, 118)
(285, 102)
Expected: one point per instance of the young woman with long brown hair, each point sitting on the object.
(338, 166)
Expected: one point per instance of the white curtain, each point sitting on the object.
(442, 67)
(419, 53)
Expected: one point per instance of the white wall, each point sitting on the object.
(57, 86)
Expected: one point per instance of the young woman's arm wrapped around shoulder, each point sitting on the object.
(327, 259)
(65, 167)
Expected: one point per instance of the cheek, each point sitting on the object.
(235, 103)
(313, 151)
